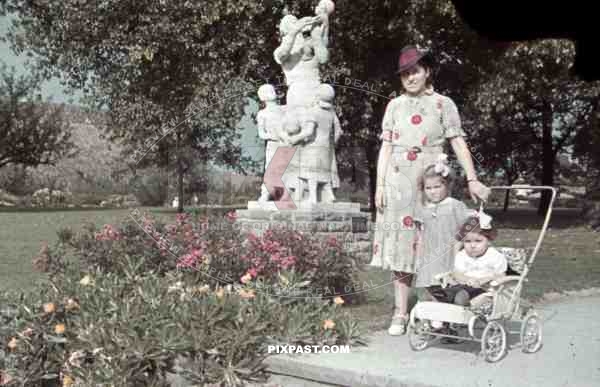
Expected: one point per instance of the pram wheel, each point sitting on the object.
(531, 333)
(493, 341)
(418, 337)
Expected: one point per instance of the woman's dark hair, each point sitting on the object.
(428, 63)
(472, 225)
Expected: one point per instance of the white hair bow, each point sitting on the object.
(441, 165)
(485, 221)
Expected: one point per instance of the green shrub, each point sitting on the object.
(210, 250)
(134, 327)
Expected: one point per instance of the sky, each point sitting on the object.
(51, 89)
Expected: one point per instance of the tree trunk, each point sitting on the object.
(548, 157)
(179, 176)
(591, 208)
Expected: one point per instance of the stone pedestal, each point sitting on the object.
(343, 220)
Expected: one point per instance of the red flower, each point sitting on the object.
(407, 221)
(424, 141)
(416, 119)
(411, 156)
(396, 135)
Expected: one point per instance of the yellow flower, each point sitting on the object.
(59, 329)
(87, 281)
(71, 304)
(49, 307)
(67, 381)
(12, 344)
(284, 280)
(246, 278)
(328, 324)
(220, 293)
(200, 289)
(246, 294)
(338, 300)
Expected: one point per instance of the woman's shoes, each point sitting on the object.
(398, 326)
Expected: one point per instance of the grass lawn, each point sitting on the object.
(22, 233)
(568, 260)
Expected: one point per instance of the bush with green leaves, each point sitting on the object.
(210, 250)
(137, 327)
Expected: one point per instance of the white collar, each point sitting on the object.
(443, 201)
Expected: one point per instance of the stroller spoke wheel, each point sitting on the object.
(531, 333)
(418, 335)
(493, 341)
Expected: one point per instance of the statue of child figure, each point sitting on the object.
(321, 130)
(269, 122)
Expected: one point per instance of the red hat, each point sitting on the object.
(409, 56)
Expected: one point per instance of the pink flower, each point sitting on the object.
(231, 216)
(332, 241)
(181, 218)
(253, 272)
(424, 141)
(288, 261)
(246, 278)
(407, 221)
(187, 261)
(411, 156)
(416, 119)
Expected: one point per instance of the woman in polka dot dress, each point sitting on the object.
(415, 127)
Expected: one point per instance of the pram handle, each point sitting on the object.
(548, 212)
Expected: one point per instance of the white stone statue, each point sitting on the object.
(308, 122)
(269, 123)
(317, 164)
(303, 48)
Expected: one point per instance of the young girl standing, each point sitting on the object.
(439, 218)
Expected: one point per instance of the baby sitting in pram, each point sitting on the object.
(475, 266)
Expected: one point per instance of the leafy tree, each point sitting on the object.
(530, 111)
(32, 132)
(150, 61)
(163, 69)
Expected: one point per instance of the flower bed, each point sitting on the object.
(129, 310)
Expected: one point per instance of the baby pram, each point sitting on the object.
(494, 310)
